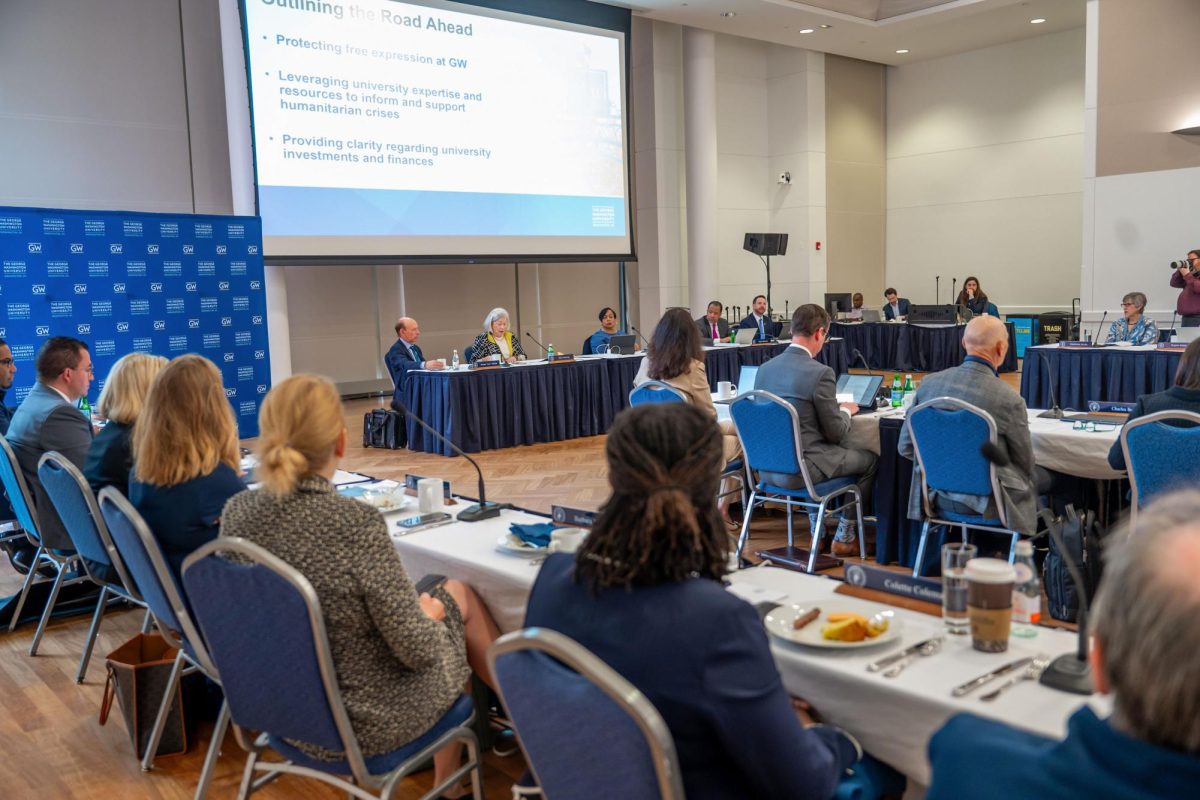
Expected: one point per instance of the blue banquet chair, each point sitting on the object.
(1162, 452)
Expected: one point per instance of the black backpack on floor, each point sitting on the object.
(384, 429)
(1082, 542)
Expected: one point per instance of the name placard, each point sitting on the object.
(1172, 345)
(410, 483)
(484, 365)
(899, 583)
(560, 357)
(1105, 407)
(1075, 345)
(575, 517)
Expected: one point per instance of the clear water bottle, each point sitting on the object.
(1027, 593)
(550, 352)
(897, 391)
(454, 360)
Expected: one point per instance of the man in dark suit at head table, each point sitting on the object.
(7, 370)
(405, 355)
(896, 306)
(712, 325)
(758, 319)
(48, 419)
(811, 388)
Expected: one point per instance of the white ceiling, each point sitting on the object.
(926, 28)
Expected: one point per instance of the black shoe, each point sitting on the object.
(21, 556)
(504, 743)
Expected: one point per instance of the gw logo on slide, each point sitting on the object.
(156, 287)
(152, 249)
(259, 355)
(35, 247)
(261, 388)
(189, 249)
(231, 392)
(160, 325)
(41, 330)
(190, 286)
(38, 288)
(252, 249)
(228, 358)
(221, 249)
(122, 327)
(81, 288)
(83, 329)
(256, 319)
(226, 322)
(116, 248)
(76, 247)
(223, 286)
(193, 323)
(255, 285)
(118, 288)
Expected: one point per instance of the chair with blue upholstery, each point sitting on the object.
(655, 392)
(769, 429)
(549, 683)
(947, 436)
(76, 505)
(469, 353)
(61, 563)
(263, 623)
(147, 567)
(1162, 452)
(586, 348)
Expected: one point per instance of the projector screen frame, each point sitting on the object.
(574, 12)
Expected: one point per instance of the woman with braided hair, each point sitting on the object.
(644, 594)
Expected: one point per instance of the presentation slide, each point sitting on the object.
(426, 130)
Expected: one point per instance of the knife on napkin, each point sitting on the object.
(975, 683)
(894, 657)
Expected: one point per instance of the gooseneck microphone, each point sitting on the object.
(1070, 672)
(1054, 412)
(639, 333)
(1100, 329)
(937, 290)
(1171, 330)
(539, 344)
(481, 510)
(954, 290)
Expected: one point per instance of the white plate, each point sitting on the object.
(779, 624)
(515, 547)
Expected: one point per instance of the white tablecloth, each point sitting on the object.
(893, 718)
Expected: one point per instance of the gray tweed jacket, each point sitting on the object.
(398, 670)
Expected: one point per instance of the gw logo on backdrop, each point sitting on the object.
(190, 286)
(122, 327)
(156, 287)
(193, 323)
(76, 247)
(81, 288)
(189, 249)
(38, 288)
(152, 249)
(118, 288)
(83, 329)
(116, 248)
(35, 247)
(41, 330)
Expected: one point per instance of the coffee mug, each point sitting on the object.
(566, 540)
(725, 389)
(989, 602)
(430, 495)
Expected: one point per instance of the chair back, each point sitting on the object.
(947, 434)
(469, 353)
(17, 490)
(388, 369)
(655, 392)
(769, 430)
(147, 566)
(76, 504)
(263, 624)
(548, 683)
(1162, 452)
(586, 348)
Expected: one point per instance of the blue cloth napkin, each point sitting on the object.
(536, 535)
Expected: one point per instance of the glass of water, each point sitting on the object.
(954, 586)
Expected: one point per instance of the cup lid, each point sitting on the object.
(989, 570)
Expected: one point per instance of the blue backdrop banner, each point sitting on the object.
(124, 281)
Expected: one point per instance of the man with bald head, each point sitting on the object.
(405, 354)
(977, 381)
(1143, 654)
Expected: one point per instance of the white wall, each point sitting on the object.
(985, 172)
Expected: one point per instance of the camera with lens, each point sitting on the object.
(1181, 265)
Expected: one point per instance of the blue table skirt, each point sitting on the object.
(913, 348)
(1104, 373)
(511, 406)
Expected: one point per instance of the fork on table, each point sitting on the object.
(1031, 673)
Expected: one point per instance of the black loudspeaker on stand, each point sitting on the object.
(766, 245)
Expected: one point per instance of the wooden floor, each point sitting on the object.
(51, 745)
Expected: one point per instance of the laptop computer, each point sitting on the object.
(745, 335)
(622, 343)
(745, 382)
(871, 315)
(1186, 334)
(864, 388)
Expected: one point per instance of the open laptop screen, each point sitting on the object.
(863, 387)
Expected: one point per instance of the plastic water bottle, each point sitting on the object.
(909, 389)
(454, 360)
(550, 352)
(897, 391)
(1027, 593)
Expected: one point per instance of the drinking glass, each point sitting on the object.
(954, 586)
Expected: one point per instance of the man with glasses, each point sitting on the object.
(1187, 278)
(48, 419)
(7, 370)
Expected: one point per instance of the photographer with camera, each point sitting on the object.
(1187, 277)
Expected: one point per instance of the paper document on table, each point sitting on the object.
(342, 477)
(754, 595)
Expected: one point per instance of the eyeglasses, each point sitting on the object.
(1093, 427)
(6, 362)
(1127, 304)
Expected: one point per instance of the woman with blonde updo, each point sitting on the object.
(110, 457)
(401, 658)
(185, 457)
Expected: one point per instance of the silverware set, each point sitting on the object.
(1021, 669)
(1032, 672)
(907, 655)
(924, 649)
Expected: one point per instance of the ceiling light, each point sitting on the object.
(901, 52)
(1037, 21)
(728, 14)
(807, 30)
(826, 27)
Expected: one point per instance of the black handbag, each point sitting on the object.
(384, 429)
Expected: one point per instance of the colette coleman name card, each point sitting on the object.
(898, 583)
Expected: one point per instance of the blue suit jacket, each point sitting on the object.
(43, 422)
(902, 302)
(701, 656)
(771, 327)
(985, 760)
(399, 360)
(1174, 399)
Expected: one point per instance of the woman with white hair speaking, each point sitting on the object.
(1134, 327)
(497, 342)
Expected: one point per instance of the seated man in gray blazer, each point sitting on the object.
(47, 419)
(977, 382)
(712, 325)
(810, 386)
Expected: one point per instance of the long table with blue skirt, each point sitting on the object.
(536, 402)
(913, 348)
(1107, 374)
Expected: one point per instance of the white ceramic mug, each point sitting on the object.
(566, 540)
(430, 495)
(725, 389)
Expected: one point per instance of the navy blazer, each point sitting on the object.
(401, 358)
(771, 327)
(46, 421)
(985, 760)
(1174, 399)
(902, 303)
(5, 413)
(701, 657)
(187, 515)
(110, 458)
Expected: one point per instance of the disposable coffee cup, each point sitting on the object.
(430, 495)
(989, 602)
(566, 540)
(725, 389)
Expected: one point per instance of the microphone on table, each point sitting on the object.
(639, 333)
(1101, 327)
(953, 289)
(1069, 672)
(937, 289)
(1054, 412)
(481, 510)
(1171, 330)
(539, 344)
